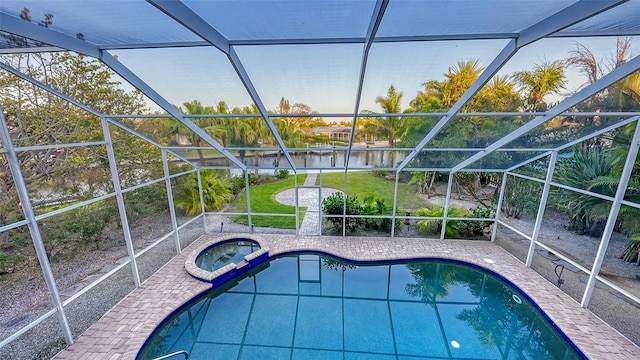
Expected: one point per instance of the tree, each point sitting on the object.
(67, 175)
(35, 116)
(194, 107)
(544, 79)
(390, 105)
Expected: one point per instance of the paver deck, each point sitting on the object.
(122, 331)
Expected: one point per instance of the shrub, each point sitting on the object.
(521, 197)
(373, 204)
(334, 205)
(478, 229)
(145, 200)
(216, 193)
(282, 174)
(585, 169)
(453, 227)
(459, 229)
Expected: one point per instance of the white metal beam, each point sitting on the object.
(564, 18)
(541, 207)
(40, 33)
(181, 13)
(115, 178)
(132, 78)
(185, 16)
(507, 52)
(172, 209)
(244, 77)
(17, 26)
(503, 187)
(576, 141)
(602, 83)
(576, 12)
(374, 24)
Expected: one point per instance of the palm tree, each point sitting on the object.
(459, 79)
(192, 108)
(390, 105)
(499, 94)
(544, 79)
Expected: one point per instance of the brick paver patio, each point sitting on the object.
(122, 331)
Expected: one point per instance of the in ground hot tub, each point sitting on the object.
(225, 258)
(221, 254)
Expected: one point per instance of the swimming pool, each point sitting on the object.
(310, 306)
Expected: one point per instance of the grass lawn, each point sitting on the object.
(263, 200)
(363, 182)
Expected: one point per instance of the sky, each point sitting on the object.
(325, 77)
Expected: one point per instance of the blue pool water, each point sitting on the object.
(316, 307)
(220, 255)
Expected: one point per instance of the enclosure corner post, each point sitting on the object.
(246, 184)
(297, 203)
(613, 215)
(120, 200)
(204, 215)
(446, 205)
(541, 207)
(395, 205)
(503, 187)
(172, 209)
(36, 236)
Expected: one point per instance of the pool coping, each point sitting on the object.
(121, 332)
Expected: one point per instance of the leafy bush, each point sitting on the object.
(380, 173)
(145, 200)
(585, 169)
(66, 233)
(237, 183)
(521, 197)
(452, 229)
(216, 193)
(282, 174)
(373, 204)
(478, 229)
(334, 205)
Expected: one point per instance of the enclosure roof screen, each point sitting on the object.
(351, 64)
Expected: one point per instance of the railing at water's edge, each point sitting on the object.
(169, 356)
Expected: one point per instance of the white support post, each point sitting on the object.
(320, 206)
(613, 215)
(297, 203)
(36, 236)
(172, 210)
(204, 216)
(246, 184)
(395, 205)
(344, 206)
(120, 200)
(542, 207)
(503, 187)
(446, 205)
